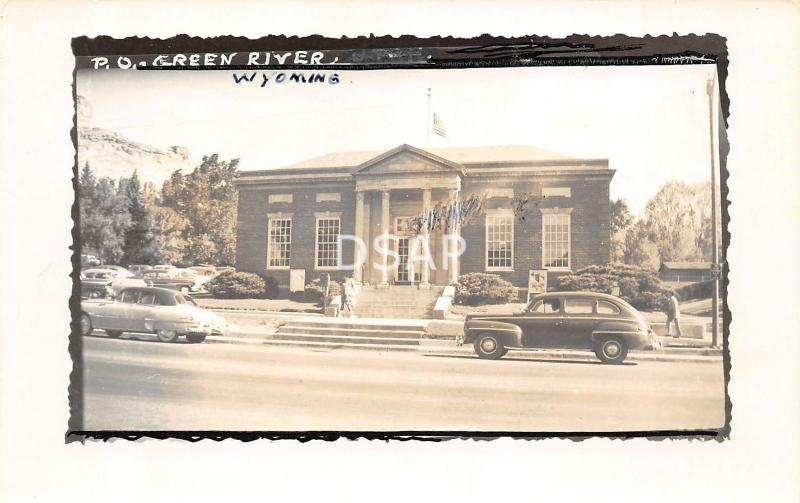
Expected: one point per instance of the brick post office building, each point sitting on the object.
(290, 219)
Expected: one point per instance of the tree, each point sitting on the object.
(169, 229)
(674, 220)
(104, 216)
(140, 245)
(621, 221)
(206, 199)
(639, 249)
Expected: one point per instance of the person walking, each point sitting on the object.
(674, 315)
(348, 292)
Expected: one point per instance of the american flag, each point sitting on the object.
(438, 126)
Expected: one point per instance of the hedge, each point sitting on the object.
(242, 285)
(478, 288)
(639, 286)
(315, 290)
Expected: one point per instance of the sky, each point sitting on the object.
(650, 122)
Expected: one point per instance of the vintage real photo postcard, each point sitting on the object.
(390, 238)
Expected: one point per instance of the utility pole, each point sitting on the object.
(715, 267)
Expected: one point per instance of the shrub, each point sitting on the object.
(315, 290)
(639, 286)
(477, 288)
(271, 288)
(237, 285)
(702, 290)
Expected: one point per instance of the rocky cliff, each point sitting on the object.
(110, 154)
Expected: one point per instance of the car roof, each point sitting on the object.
(578, 295)
(160, 292)
(585, 295)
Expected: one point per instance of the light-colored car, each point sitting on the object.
(166, 313)
(183, 280)
(204, 274)
(163, 267)
(121, 271)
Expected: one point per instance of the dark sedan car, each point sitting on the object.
(605, 324)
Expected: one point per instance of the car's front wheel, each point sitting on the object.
(167, 335)
(86, 324)
(611, 350)
(489, 346)
(195, 338)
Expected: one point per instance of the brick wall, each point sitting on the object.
(590, 228)
(251, 234)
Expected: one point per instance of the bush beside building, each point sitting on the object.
(639, 286)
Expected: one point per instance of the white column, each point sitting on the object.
(455, 229)
(359, 231)
(425, 281)
(385, 230)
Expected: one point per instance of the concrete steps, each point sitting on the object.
(397, 302)
(350, 332)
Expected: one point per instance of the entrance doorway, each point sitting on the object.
(405, 272)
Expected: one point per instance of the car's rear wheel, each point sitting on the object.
(167, 335)
(86, 324)
(611, 350)
(113, 333)
(194, 339)
(489, 346)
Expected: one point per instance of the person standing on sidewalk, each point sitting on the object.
(674, 315)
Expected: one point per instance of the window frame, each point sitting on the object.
(614, 305)
(560, 312)
(545, 217)
(318, 267)
(492, 215)
(586, 302)
(270, 244)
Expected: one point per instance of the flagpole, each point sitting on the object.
(428, 119)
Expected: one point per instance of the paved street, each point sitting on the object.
(146, 385)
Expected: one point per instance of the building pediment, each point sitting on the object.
(406, 159)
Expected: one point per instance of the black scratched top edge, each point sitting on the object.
(85, 46)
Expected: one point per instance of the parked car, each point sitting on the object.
(97, 283)
(166, 313)
(89, 260)
(204, 273)
(221, 269)
(121, 271)
(163, 267)
(138, 269)
(183, 280)
(605, 324)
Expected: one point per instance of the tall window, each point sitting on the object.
(556, 240)
(327, 243)
(279, 245)
(499, 242)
